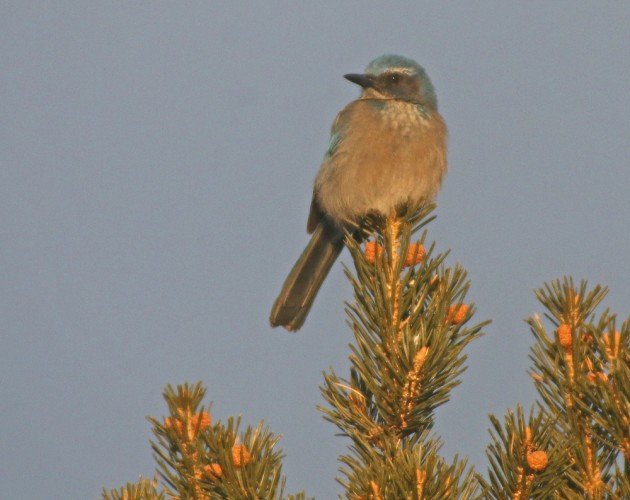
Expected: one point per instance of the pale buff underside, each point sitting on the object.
(386, 158)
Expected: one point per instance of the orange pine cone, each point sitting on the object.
(372, 251)
(565, 336)
(240, 455)
(203, 420)
(457, 313)
(415, 254)
(537, 460)
(596, 377)
(213, 470)
(174, 423)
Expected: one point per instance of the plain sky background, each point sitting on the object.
(157, 161)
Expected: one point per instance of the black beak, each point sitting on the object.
(365, 81)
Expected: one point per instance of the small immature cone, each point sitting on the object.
(240, 455)
(203, 420)
(415, 254)
(372, 251)
(198, 422)
(537, 460)
(174, 423)
(565, 336)
(456, 314)
(596, 376)
(213, 470)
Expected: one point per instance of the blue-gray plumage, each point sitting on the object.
(387, 149)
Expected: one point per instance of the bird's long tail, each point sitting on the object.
(301, 286)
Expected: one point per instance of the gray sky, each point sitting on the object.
(157, 161)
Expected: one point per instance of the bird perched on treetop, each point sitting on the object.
(387, 149)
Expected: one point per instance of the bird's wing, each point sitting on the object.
(314, 216)
(336, 135)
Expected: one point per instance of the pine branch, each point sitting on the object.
(582, 376)
(409, 322)
(144, 489)
(200, 460)
(525, 461)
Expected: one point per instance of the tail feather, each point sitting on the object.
(301, 286)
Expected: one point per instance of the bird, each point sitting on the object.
(387, 149)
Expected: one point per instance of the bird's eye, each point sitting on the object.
(395, 78)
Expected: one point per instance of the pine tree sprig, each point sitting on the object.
(411, 471)
(582, 379)
(198, 459)
(201, 460)
(525, 461)
(144, 489)
(410, 324)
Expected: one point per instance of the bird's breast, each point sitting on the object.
(391, 152)
(403, 119)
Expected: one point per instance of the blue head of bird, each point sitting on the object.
(396, 77)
